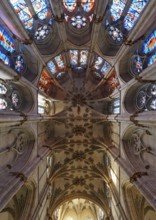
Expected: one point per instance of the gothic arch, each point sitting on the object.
(20, 206)
(138, 148)
(136, 205)
(140, 97)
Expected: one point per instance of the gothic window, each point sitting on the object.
(43, 105)
(122, 18)
(100, 67)
(4, 59)
(57, 66)
(70, 5)
(146, 98)
(116, 106)
(41, 8)
(40, 27)
(142, 99)
(23, 13)
(6, 41)
(78, 59)
(145, 56)
(133, 13)
(87, 5)
(46, 83)
(6, 47)
(10, 97)
(75, 14)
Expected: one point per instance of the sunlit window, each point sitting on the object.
(87, 5)
(100, 67)
(70, 5)
(41, 8)
(117, 8)
(57, 66)
(78, 59)
(4, 59)
(6, 42)
(23, 12)
(134, 12)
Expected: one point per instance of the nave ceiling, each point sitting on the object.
(76, 55)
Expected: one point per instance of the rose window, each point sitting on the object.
(78, 21)
(42, 32)
(115, 34)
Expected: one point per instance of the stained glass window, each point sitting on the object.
(70, 5)
(150, 43)
(19, 64)
(41, 8)
(87, 5)
(3, 104)
(83, 57)
(133, 13)
(137, 64)
(42, 32)
(45, 83)
(78, 21)
(4, 58)
(52, 67)
(23, 12)
(6, 42)
(117, 8)
(60, 62)
(98, 63)
(73, 57)
(115, 34)
(151, 59)
(3, 89)
(100, 66)
(57, 66)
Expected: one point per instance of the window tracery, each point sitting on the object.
(10, 98)
(46, 83)
(100, 67)
(23, 13)
(75, 14)
(43, 105)
(57, 66)
(145, 56)
(39, 28)
(78, 59)
(122, 18)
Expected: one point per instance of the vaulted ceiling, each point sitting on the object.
(76, 66)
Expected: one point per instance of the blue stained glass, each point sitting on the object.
(41, 8)
(133, 13)
(117, 8)
(6, 41)
(73, 57)
(98, 63)
(23, 12)
(59, 61)
(4, 58)
(70, 5)
(83, 57)
(52, 67)
(105, 68)
(78, 21)
(152, 59)
(150, 43)
(137, 64)
(19, 64)
(87, 5)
